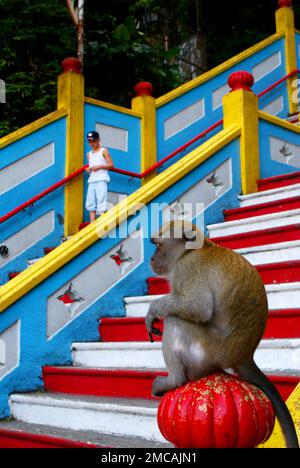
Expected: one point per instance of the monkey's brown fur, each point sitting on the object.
(214, 317)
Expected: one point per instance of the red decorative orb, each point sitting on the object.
(284, 3)
(241, 80)
(71, 64)
(143, 89)
(218, 411)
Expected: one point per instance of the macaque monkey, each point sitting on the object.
(214, 317)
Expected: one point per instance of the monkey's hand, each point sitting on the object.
(151, 318)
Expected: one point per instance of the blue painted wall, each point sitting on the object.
(52, 133)
(269, 167)
(205, 91)
(31, 308)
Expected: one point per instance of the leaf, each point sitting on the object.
(121, 33)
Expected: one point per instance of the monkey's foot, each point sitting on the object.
(162, 385)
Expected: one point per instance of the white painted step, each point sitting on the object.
(33, 261)
(271, 355)
(283, 296)
(267, 196)
(119, 416)
(279, 296)
(256, 223)
(118, 355)
(271, 253)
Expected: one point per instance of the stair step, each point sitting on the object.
(266, 196)
(280, 252)
(84, 225)
(47, 250)
(260, 237)
(279, 272)
(13, 274)
(117, 416)
(125, 383)
(244, 226)
(33, 261)
(119, 355)
(278, 296)
(282, 272)
(273, 356)
(278, 181)
(251, 211)
(117, 383)
(125, 329)
(17, 434)
(282, 323)
(158, 286)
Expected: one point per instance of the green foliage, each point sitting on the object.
(121, 47)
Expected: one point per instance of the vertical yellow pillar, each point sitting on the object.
(144, 103)
(240, 107)
(285, 22)
(71, 97)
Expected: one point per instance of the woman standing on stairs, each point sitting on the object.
(100, 162)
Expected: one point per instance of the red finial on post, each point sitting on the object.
(71, 64)
(285, 3)
(143, 89)
(241, 80)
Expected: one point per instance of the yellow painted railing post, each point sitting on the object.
(144, 103)
(71, 97)
(285, 23)
(240, 107)
(293, 403)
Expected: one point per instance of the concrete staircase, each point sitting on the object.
(105, 398)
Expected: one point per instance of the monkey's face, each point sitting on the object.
(166, 254)
(171, 244)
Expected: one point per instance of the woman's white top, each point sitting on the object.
(96, 158)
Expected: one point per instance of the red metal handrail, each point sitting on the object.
(134, 174)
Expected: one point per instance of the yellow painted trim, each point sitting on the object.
(113, 107)
(32, 127)
(241, 108)
(28, 279)
(161, 101)
(146, 106)
(276, 121)
(285, 22)
(293, 403)
(71, 96)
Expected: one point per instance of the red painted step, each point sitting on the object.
(19, 439)
(125, 329)
(278, 181)
(124, 383)
(83, 225)
(272, 273)
(48, 250)
(13, 274)
(283, 323)
(283, 272)
(116, 383)
(261, 237)
(158, 286)
(276, 206)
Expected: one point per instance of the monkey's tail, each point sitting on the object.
(250, 372)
